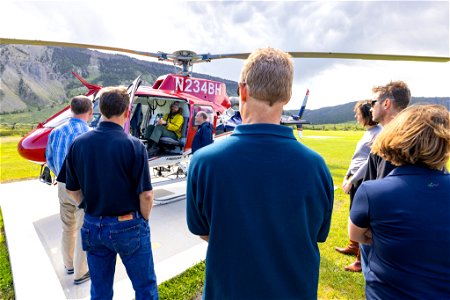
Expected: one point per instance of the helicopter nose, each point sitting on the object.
(32, 146)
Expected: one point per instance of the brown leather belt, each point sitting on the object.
(126, 217)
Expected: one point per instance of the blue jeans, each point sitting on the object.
(365, 253)
(105, 237)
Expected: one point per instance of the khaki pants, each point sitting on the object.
(72, 219)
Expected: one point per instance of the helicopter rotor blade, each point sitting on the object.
(337, 55)
(158, 55)
(369, 56)
(194, 58)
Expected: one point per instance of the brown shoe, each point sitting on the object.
(351, 249)
(354, 267)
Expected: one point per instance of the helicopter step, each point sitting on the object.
(168, 190)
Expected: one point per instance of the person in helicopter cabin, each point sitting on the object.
(168, 126)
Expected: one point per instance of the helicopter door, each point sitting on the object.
(132, 88)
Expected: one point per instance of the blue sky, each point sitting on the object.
(387, 27)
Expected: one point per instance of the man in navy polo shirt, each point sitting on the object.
(264, 216)
(107, 172)
(389, 100)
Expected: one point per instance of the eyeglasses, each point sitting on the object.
(239, 84)
(372, 103)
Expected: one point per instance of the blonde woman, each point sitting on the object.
(406, 215)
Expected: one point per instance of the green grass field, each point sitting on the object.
(33, 116)
(12, 166)
(335, 146)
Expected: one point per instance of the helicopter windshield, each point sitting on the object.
(67, 114)
(96, 115)
(59, 119)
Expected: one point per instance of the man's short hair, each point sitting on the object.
(114, 101)
(203, 115)
(363, 107)
(268, 74)
(80, 105)
(420, 135)
(397, 91)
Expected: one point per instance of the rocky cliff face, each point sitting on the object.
(28, 78)
(34, 77)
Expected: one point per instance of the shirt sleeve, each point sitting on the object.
(207, 136)
(359, 213)
(359, 174)
(62, 173)
(371, 171)
(329, 193)
(72, 182)
(196, 220)
(141, 168)
(49, 155)
(175, 123)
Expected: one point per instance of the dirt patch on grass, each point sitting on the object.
(7, 139)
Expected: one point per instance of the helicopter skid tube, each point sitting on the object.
(158, 161)
(166, 191)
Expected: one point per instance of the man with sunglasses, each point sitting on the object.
(388, 101)
(260, 198)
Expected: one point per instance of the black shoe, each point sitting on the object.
(153, 150)
(83, 278)
(68, 271)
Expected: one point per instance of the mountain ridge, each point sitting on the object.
(35, 77)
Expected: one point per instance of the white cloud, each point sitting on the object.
(393, 27)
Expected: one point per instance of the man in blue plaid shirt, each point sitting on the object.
(58, 145)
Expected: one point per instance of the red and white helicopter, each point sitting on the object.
(193, 95)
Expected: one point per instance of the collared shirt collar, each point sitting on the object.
(414, 170)
(263, 128)
(106, 125)
(76, 120)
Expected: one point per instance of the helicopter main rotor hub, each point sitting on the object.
(184, 58)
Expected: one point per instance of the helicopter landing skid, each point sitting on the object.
(168, 191)
(178, 171)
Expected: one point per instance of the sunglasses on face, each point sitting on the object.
(373, 102)
(238, 88)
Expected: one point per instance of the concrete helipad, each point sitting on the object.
(33, 230)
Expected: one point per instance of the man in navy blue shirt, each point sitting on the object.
(107, 173)
(260, 198)
(389, 100)
(204, 135)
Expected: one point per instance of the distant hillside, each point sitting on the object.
(344, 112)
(33, 77)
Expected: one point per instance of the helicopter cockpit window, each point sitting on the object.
(207, 109)
(66, 115)
(59, 120)
(96, 116)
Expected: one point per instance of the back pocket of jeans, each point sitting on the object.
(126, 241)
(85, 239)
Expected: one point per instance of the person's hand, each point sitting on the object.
(347, 186)
(161, 122)
(368, 237)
